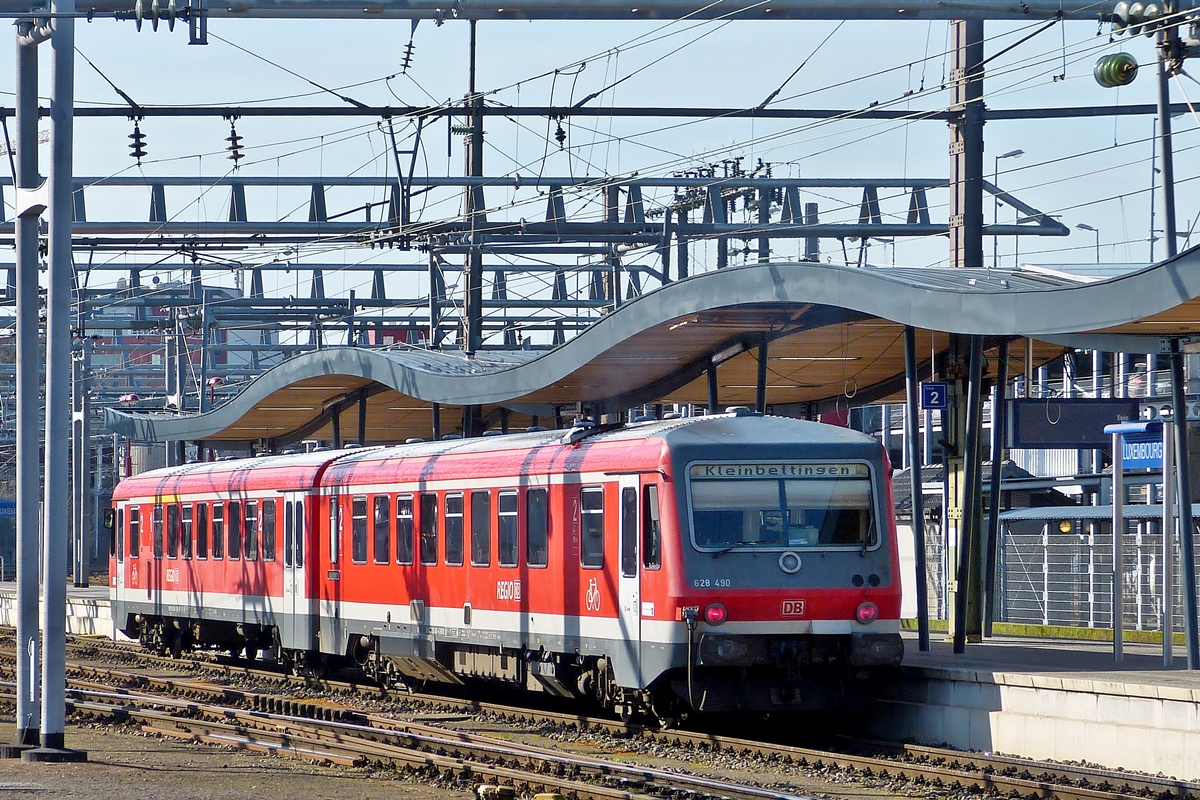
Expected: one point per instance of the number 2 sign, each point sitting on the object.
(934, 396)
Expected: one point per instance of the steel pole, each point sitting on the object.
(1187, 550)
(914, 473)
(28, 406)
(1167, 42)
(1168, 545)
(1118, 527)
(971, 498)
(991, 557)
(58, 393)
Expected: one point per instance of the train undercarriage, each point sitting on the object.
(778, 675)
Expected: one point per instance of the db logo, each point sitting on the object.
(793, 608)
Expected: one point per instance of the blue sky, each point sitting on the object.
(1092, 171)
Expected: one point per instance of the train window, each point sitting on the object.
(233, 526)
(287, 533)
(383, 528)
(135, 539)
(251, 530)
(268, 530)
(404, 530)
(334, 530)
(481, 528)
(651, 528)
(358, 529)
(831, 510)
(537, 528)
(202, 530)
(172, 531)
(507, 537)
(591, 544)
(119, 536)
(299, 528)
(454, 529)
(185, 532)
(429, 529)
(629, 531)
(157, 523)
(218, 531)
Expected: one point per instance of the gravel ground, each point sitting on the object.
(125, 764)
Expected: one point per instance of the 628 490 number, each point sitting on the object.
(711, 583)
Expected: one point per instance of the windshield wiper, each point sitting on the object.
(734, 546)
(870, 538)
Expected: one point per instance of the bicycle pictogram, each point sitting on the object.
(592, 598)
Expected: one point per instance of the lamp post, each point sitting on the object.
(1083, 226)
(996, 202)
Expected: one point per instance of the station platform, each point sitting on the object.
(1038, 698)
(1048, 699)
(88, 610)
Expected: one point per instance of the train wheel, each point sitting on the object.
(667, 710)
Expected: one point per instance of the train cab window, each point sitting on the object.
(218, 531)
(298, 527)
(172, 531)
(404, 530)
(268, 530)
(233, 526)
(358, 529)
(287, 533)
(157, 524)
(591, 544)
(507, 536)
(454, 529)
(335, 520)
(135, 539)
(629, 531)
(383, 529)
(481, 528)
(537, 528)
(119, 536)
(251, 530)
(429, 529)
(185, 532)
(832, 508)
(651, 528)
(202, 530)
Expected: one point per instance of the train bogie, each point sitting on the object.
(725, 563)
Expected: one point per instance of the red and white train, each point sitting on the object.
(721, 563)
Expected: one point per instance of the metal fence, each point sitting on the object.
(1047, 576)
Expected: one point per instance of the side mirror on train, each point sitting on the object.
(110, 518)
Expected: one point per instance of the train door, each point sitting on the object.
(118, 548)
(297, 632)
(629, 583)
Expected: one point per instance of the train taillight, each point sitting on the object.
(715, 614)
(866, 613)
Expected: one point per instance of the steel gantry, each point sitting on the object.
(633, 241)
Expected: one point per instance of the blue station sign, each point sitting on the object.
(1141, 451)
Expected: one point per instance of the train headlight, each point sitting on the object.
(866, 613)
(715, 614)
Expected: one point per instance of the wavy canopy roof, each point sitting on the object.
(835, 335)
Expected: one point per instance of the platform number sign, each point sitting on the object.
(934, 395)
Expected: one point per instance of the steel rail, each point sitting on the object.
(926, 765)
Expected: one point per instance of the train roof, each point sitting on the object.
(302, 471)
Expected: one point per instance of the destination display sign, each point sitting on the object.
(779, 470)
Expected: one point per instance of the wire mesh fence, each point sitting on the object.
(1050, 576)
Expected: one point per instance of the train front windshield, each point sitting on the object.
(781, 506)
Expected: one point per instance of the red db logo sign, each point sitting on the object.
(793, 608)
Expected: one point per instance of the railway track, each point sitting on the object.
(918, 766)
